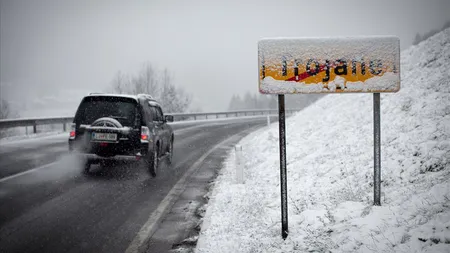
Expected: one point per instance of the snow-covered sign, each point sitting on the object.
(329, 65)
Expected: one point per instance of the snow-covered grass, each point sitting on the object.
(26, 133)
(22, 137)
(33, 141)
(330, 172)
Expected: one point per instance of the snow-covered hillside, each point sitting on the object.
(330, 172)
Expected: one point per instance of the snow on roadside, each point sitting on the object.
(33, 137)
(330, 172)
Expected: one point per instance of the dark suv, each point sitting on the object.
(110, 127)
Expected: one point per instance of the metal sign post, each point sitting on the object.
(376, 150)
(283, 177)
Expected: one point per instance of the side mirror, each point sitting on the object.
(168, 118)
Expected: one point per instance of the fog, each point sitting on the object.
(53, 52)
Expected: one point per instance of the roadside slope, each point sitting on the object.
(330, 172)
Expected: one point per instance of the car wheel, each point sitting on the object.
(106, 164)
(153, 162)
(87, 167)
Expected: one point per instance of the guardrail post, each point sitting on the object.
(34, 127)
(206, 116)
(226, 115)
(239, 165)
(64, 127)
(236, 114)
(195, 117)
(217, 116)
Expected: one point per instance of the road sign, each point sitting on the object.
(333, 65)
(329, 65)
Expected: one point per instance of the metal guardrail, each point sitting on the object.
(195, 116)
(34, 122)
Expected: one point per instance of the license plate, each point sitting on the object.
(104, 136)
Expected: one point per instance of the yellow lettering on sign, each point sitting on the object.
(314, 71)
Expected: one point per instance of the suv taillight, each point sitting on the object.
(145, 134)
(72, 131)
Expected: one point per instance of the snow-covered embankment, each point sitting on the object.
(330, 172)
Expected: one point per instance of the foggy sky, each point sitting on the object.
(53, 52)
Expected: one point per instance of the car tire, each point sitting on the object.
(153, 162)
(87, 167)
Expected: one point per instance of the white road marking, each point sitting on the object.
(152, 223)
(26, 172)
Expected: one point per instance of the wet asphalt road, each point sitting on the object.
(58, 209)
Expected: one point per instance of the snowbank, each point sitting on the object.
(330, 172)
(22, 139)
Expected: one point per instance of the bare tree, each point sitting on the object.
(6, 112)
(120, 83)
(146, 81)
(159, 85)
(5, 109)
(173, 99)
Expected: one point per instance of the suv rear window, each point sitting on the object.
(120, 108)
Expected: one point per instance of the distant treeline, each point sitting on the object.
(258, 101)
(419, 38)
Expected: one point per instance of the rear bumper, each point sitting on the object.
(94, 158)
(87, 153)
(126, 158)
